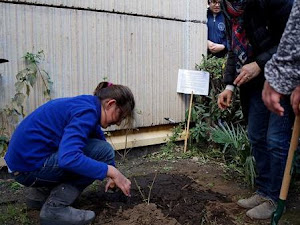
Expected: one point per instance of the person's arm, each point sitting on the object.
(117, 178)
(230, 70)
(215, 47)
(265, 56)
(247, 73)
(225, 97)
(283, 70)
(70, 153)
(271, 99)
(277, 13)
(225, 43)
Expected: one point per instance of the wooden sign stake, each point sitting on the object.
(188, 124)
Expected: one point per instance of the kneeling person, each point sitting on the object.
(60, 149)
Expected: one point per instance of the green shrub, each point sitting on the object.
(205, 111)
(220, 134)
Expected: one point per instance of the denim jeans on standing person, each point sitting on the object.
(269, 136)
(51, 175)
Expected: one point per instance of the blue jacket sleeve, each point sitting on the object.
(70, 154)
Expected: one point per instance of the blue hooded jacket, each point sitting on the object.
(62, 125)
(216, 31)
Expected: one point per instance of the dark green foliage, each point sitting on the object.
(219, 134)
(235, 148)
(205, 112)
(221, 129)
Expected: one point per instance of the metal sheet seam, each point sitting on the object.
(106, 11)
(187, 34)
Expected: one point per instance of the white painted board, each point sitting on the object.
(193, 81)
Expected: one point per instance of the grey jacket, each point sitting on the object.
(282, 71)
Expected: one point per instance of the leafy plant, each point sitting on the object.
(222, 132)
(168, 148)
(26, 79)
(233, 138)
(205, 111)
(236, 148)
(250, 172)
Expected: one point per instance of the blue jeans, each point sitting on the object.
(51, 175)
(269, 136)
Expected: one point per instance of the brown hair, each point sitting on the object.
(122, 94)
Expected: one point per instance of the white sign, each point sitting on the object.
(193, 81)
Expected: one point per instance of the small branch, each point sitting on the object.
(139, 188)
(187, 185)
(150, 188)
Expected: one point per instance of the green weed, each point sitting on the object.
(16, 186)
(12, 214)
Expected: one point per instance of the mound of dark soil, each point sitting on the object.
(170, 195)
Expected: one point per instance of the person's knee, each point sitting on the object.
(257, 139)
(100, 150)
(278, 145)
(110, 152)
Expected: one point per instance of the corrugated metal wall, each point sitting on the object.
(139, 43)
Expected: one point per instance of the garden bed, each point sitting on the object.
(175, 191)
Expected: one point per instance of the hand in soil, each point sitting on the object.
(118, 179)
(115, 195)
(110, 184)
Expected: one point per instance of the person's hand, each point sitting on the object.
(214, 47)
(272, 98)
(224, 99)
(110, 184)
(295, 99)
(119, 179)
(209, 44)
(248, 72)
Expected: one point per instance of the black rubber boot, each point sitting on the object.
(57, 209)
(36, 197)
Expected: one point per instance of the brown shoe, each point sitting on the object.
(262, 211)
(251, 202)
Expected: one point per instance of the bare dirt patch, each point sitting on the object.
(182, 191)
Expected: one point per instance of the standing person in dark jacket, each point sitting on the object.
(60, 149)
(282, 72)
(217, 41)
(255, 28)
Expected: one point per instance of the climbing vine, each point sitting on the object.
(26, 79)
